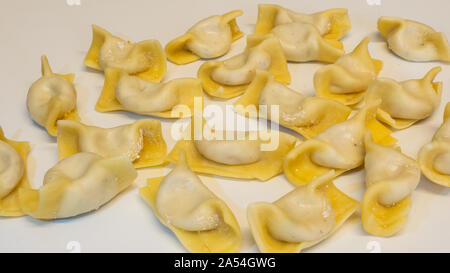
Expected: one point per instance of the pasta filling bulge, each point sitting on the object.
(414, 41)
(330, 24)
(145, 97)
(145, 59)
(51, 98)
(200, 220)
(209, 38)
(78, 184)
(302, 42)
(301, 218)
(434, 157)
(11, 168)
(404, 103)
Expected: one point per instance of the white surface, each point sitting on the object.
(29, 29)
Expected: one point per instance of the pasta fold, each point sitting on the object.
(141, 141)
(172, 99)
(306, 115)
(434, 157)
(414, 41)
(404, 103)
(78, 184)
(348, 78)
(145, 59)
(302, 218)
(199, 219)
(331, 23)
(339, 148)
(391, 177)
(13, 177)
(51, 98)
(229, 78)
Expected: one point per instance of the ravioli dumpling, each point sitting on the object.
(331, 23)
(301, 218)
(339, 148)
(13, 155)
(172, 99)
(78, 184)
(391, 177)
(404, 103)
(302, 42)
(145, 59)
(414, 41)
(229, 78)
(238, 158)
(210, 38)
(348, 78)
(434, 157)
(51, 98)
(306, 115)
(141, 141)
(200, 220)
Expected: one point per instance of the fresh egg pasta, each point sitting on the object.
(306, 115)
(171, 99)
(331, 23)
(201, 221)
(13, 177)
(141, 141)
(434, 157)
(242, 158)
(404, 103)
(391, 177)
(414, 41)
(145, 59)
(301, 218)
(339, 148)
(348, 78)
(51, 98)
(229, 78)
(210, 38)
(78, 184)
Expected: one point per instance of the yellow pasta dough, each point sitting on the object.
(301, 42)
(51, 98)
(434, 157)
(391, 177)
(172, 99)
(141, 141)
(209, 38)
(13, 177)
(331, 24)
(348, 78)
(200, 220)
(414, 41)
(306, 115)
(145, 59)
(78, 184)
(339, 148)
(404, 103)
(229, 78)
(302, 218)
(246, 158)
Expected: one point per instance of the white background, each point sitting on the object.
(29, 29)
